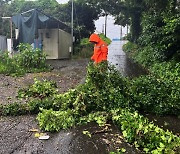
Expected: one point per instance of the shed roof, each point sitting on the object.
(28, 25)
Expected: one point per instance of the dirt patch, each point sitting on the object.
(66, 73)
(14, 132)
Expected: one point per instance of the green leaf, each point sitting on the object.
(146, 150)
(124, 133)
(85, 132)
(162, 145)
(123, 150)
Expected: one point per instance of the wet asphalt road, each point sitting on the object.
(125, 65)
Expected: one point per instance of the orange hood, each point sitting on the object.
(94, 38)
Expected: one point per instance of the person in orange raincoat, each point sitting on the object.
(100, 49)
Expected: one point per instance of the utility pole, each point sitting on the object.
(105, 23)
(103, 28)
(127, 29)
(121, 33)
(72, 18)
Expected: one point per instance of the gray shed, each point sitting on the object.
(44, 32)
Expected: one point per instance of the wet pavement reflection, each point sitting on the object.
(120, 60)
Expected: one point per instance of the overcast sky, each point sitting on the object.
(62, 1)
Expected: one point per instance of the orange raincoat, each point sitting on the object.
(100, 49)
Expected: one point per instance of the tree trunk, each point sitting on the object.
(135, 26)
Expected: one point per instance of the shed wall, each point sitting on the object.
(49, 39)
(65, 43)
(55, 43)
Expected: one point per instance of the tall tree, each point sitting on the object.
(125, 12)
(161, 28)
(84, 16)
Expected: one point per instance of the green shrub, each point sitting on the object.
(50, 120)
(160, 32)
(27, 60)
(84, 49)
(100, 118)
(159, 92)
(14, 109)
(150, 94)
(143, 134)
(35, 105)
(105, 39)
(105, 89)
(130, 47)
(40, 89)
(9, 66)
(145, 56)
